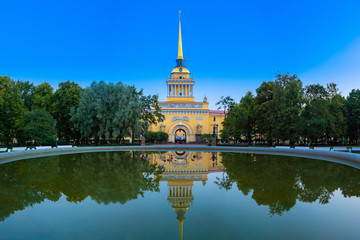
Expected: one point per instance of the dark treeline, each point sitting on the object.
(101, 112)
(284, 111)
(111, 177)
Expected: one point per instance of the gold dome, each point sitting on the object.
(177, 70)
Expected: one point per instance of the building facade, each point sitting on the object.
(185, 119)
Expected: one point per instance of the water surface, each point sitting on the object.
(169, 195)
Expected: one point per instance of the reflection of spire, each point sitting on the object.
(181, 217)
(180, 198)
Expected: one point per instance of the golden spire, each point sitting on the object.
(181, 228)
(180, 52)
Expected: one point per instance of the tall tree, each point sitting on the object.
(335, 121)
(353, 115)
(43, 97)
(315, 113)
(113, 111)
(64, 98)
(11, 109)
(288, 96)
(242, 118)
(27, 91)
(225, 103)
(265, 110)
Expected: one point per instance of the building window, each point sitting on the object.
(214, 119)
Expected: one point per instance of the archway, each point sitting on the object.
(184, 126)
(180, 136)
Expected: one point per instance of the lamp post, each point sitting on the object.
(55, 134)
(213, 143)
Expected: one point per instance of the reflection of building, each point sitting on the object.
(186, 120)
(181, 170)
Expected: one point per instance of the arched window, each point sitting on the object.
(214, 119)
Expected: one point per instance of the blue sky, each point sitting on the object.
(230, 47)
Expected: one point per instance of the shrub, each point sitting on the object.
(62, 142)
(156, 137)
(206, 138)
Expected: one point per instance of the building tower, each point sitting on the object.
(180, 84)
(180, 197)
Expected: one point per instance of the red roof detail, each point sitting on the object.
(217, 111)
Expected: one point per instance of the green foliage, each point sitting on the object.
(323, 113)
(67, 96)
(352, 107)
(265, 110)
(111, 177)
(159, 137)
(282, 181)
(151, 111)
(225, 103)
(11, 110)
(27, 91)
(62, 142)
(224, 133)
(241, 118)
(38, 127)
(206, 138)
(43, 97)
(288, 97)
(113, 111)
(284, 111)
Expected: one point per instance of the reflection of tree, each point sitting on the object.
(111, 177)
(279, 181)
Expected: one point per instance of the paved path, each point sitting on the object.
(350, 159)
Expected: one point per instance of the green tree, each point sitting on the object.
(280, 182)
(11, 109)
(64, 98)
(43, 97)
(113, 111)
(38, 127)
(206, 138)
(336, 122)
(288, 97)
(353, 115)
(316, 112)
(109, 177)
(27, 91)
(242, 117)
(225, 103)
(323, 113)
(265, 112)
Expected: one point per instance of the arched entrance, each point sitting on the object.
(180, 136)
(180, 129)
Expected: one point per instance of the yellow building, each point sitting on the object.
(185, 119)
(181, 170)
